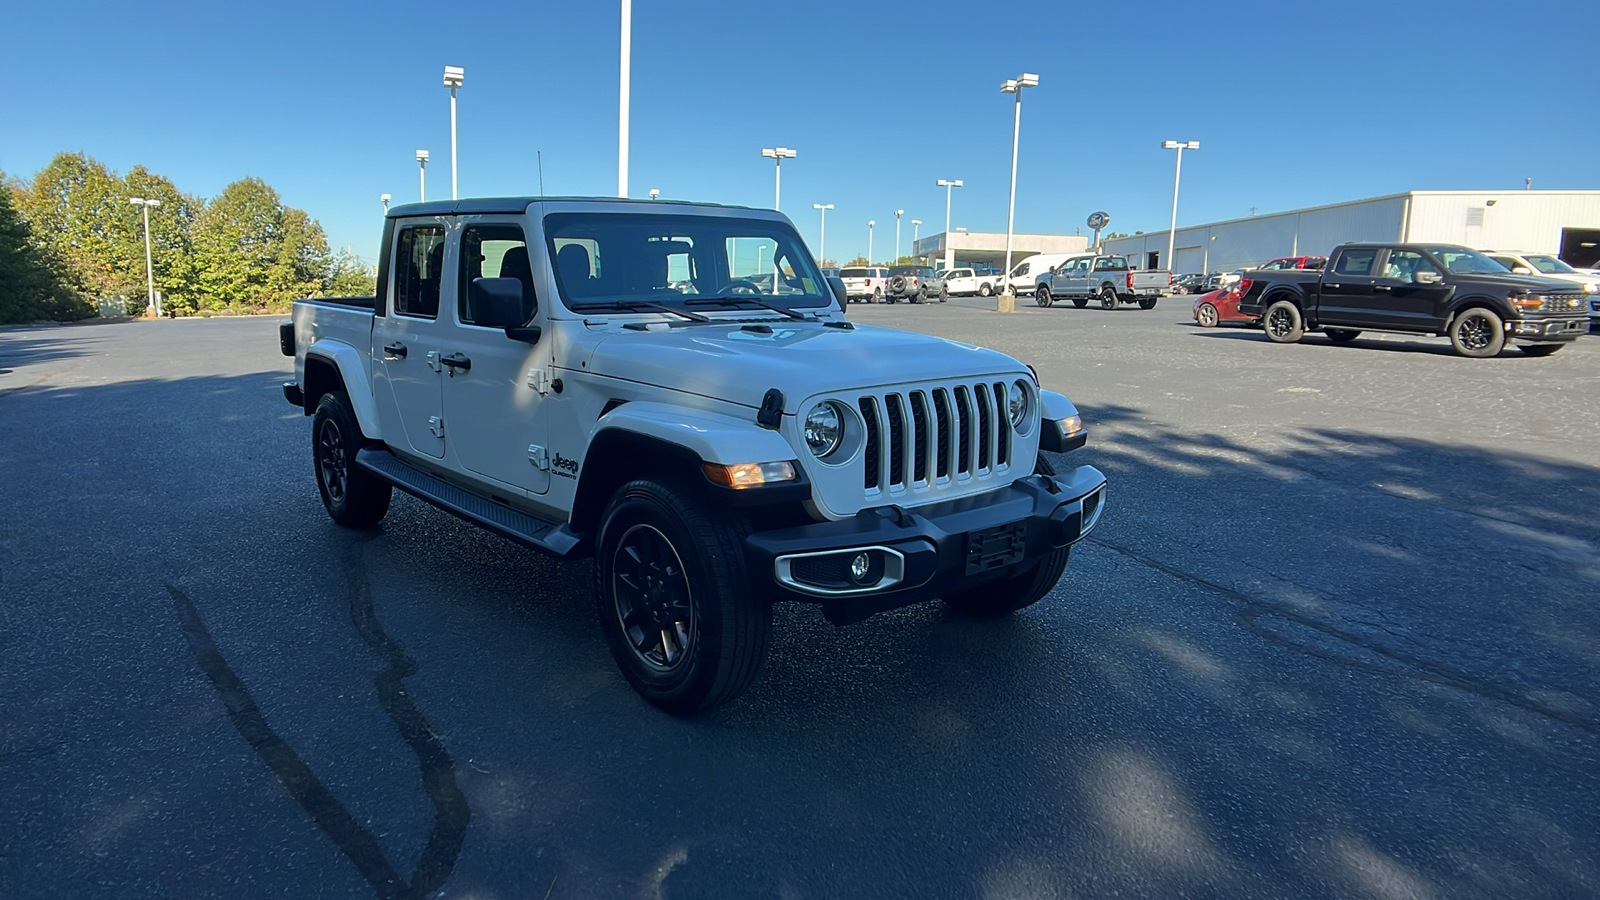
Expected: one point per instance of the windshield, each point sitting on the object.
(1461, 261)
(1551, 266)
(617, 259)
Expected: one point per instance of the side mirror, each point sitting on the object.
(1427, 276)
(1521, 270)
(497, 303)
(836, 284)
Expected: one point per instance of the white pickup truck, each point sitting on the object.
(967, 282)
(1106, 278)
(609, 378)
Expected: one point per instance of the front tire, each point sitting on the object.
(354, 497)
(1478, 333)
(1080, 302)
(985, 290)
(944, 295)
(1206, 316)
(1147, 303)
(1042, 297)
(1282, 322)
(674, 597)
(1014, 592)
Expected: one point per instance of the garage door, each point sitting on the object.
(1190, 259)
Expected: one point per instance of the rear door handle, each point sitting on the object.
(456, 361)
(396, 350)
(1382, 287)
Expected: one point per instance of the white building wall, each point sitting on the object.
(1530, 221)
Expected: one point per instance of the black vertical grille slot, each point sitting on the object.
(869, 417)
(964, 438)
(1002, 453)
(897, 438)
(941, 413)
(985, 414)
(920, 435)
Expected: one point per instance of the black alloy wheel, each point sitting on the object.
(1042, 297)
(1282, 322)
(354, 497)
(651, 593)
(1478, 333)
(1108, 298)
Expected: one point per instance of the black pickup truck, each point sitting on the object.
(1440, 289)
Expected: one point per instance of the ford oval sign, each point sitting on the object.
(1099, 220)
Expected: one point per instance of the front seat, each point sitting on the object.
(572, 262)
(515, 265)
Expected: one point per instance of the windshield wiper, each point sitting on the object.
(764, 304)
(658, 307)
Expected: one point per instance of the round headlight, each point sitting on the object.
(824, 428)
(1018, 403)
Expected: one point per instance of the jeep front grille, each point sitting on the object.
(936, 434)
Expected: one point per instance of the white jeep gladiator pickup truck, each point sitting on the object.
(610, 378)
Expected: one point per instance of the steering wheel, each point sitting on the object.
(738, 284)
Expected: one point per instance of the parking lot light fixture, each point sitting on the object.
(949, 251)
(422, 175)
(822, 238)
(1014, 86)
(453, 78)
(149, 273)
(897, 214)
(655, 194)
(777, 155)
(385, 199)
(1172, 232)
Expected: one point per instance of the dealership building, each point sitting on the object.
(1566, 223)
(988, 248)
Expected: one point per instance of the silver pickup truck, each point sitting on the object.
(1106, 278)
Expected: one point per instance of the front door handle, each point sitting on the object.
(456, 361)
(1382, 287)
(396, 350)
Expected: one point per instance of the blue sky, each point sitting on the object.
(1293, 105)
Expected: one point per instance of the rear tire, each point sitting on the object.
(354, 497)
(944, 295)
(1282, 322)
(1042, 297)
(1108, 298)
(674, 597)
(1478, 333)
(877, 295)
(985, 290)
(1341, 335)
(1206, 316)
(1014, 592)
(1539, 349)
(1147, 303)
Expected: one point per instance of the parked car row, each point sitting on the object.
(891, 284)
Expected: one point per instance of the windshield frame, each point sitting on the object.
(708, 236)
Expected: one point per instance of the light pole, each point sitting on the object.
(149, 272)
(622, 99)
(777, 155)
(1172, 232)
(822, 241)
(897, 214)
(870, 223)
(422, 175)
(452, 79)
(916, 227)
(385, 199)
(1014, 86)
(949, 252)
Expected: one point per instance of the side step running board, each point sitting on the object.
(529, 530)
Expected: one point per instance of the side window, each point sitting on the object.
(1405, 264)
(1355, 262)
(418, 267)
(495, 251)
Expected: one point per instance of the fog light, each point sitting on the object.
(860, 566)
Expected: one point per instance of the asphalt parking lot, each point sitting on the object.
(1336, 636)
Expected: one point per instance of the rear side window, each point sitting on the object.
(1355, 262)
(495, 251)
(418, 266)
(1111, 264)
(855, 273)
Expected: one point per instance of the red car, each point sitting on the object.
(1221, 306)
(1297, 262)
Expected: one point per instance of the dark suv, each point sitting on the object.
(917, 284)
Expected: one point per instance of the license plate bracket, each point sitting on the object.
(993, 548)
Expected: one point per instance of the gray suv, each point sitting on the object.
(917, 284)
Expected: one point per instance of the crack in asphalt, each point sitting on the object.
(451, 813)
(1404, 664)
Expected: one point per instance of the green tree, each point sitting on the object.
(253, 253)
(858, 261)
(171, 243)
(348, 276)
(34, 283)
(80, 209)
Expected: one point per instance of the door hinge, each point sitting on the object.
(539, 457)
(436, 425)
(539, 380)
(433, 360)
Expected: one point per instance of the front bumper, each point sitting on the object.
(1563, 329)
(919, 554)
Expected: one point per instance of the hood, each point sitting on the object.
(1537, 284)
(739, 363)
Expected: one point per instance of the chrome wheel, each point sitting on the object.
(1206, 316)
(332, 462)
(650, 594)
